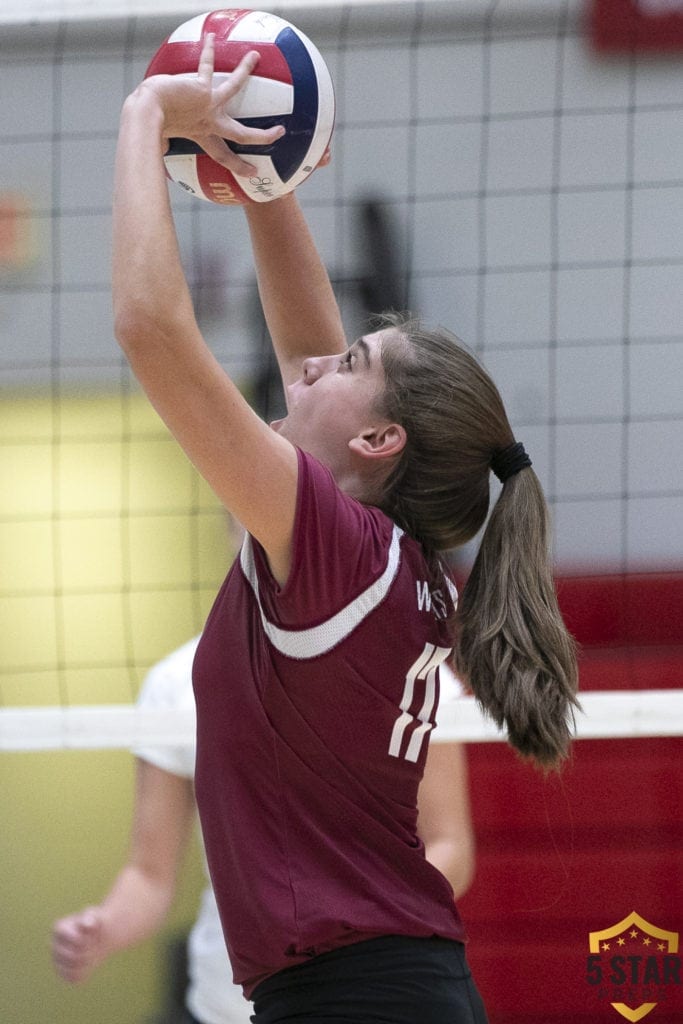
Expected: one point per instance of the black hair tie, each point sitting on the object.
(508, 461)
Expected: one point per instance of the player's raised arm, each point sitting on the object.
(298, 301)
(252, 470)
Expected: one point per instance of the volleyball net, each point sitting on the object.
(608, 715)
(490, 170)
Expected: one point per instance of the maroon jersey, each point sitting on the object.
(314, 706)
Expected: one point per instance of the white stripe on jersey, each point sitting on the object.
(424, 668)
(452, 590)
(310, 643)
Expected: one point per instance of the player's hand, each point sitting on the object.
(194, 108)
(78, 946)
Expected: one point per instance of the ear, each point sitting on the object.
(384, 442)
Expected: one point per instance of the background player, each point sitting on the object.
(136, 906)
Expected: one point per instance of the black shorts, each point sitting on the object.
(390, 980)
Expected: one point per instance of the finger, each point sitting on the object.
(244, 135)
(72, 931)
(67, 948)
(240, 74)
(66, 932)
(73, 973)
(90, 921)
(73, 961)
(206, 58)
(67, 959)
(216, 148)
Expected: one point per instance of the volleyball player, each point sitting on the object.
(141, 896)
(316, 677)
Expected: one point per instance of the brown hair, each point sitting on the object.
(513, 648)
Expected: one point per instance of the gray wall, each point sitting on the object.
(536, 191)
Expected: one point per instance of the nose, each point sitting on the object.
(316, 367)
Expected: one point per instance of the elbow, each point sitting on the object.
(124, 332)
(144, 338)
(463, 871)
(131, 328)
(454, 857)
(149, 331)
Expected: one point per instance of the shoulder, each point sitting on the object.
(169, 682)
(345, 555)
(324, 508)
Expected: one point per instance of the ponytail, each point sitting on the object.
(513, 648)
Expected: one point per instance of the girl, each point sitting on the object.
(316, 678)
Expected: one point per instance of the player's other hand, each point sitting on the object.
(78, 946)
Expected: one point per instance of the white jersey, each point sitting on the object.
(212, 997)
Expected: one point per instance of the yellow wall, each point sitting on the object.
(111, 550)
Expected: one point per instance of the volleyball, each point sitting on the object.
(291, 86)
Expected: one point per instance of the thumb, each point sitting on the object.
(90, 921)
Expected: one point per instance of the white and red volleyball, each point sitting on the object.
(290, 85)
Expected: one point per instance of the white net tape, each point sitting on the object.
(606, 715)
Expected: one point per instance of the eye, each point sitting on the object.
(346, 362)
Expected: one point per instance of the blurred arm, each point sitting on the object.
(298, 302)
(444, 822)
(143, 891)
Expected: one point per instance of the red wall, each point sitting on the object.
(562, 856)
